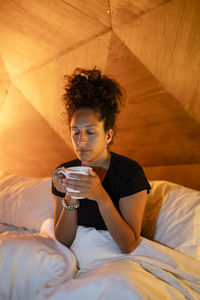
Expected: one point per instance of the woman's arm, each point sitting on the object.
(65, 221)
(125, 228)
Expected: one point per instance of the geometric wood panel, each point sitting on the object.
(124, 12)
(4, 75)
(167, 41)
(28, 145)
(43, 86)
(98, 10)
(152, 47)
(39, 30)
(153, 127)
(4, 87)
(186, 175)
(4, 82)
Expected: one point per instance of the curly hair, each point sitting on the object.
(94, 90)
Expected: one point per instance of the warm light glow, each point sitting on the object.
(147, 48)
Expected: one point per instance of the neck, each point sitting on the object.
(103, 162)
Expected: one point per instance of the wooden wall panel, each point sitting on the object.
(43, 87)
(167, 42)
(186, 175)
(4, 87)
(154, 53)
(124, 12)
(4, 83)
(153, 127)
(98, 10)
(4, 75)
(34, 32)
(28, 145)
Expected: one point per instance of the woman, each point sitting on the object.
(115, 190)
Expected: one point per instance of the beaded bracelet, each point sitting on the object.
(70, 207)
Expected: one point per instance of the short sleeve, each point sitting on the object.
(133, 181)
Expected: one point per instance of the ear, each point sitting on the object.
(109, 135)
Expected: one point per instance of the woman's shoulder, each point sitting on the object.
(123, 162)
(128, 175)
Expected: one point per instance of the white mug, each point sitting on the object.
(78, 170)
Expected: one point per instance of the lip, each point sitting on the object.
(83, 150)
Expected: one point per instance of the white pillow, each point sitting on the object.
(30, 264)
(24, 201)
(172, 217)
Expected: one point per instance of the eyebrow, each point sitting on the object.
(85, 126)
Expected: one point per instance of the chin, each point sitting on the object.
(84, 156)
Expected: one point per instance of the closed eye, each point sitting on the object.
(75, 132)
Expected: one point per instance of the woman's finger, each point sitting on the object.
(92, 173)
(56, 171)
(59, 181)
(80, 177)
(77, 182)
(76, 194)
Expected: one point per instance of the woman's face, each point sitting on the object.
(88, 136)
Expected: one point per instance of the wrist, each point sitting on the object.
(104, 202)
(70, 207)
(71, 201)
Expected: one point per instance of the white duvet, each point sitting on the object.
(152, 271)
(35, 266)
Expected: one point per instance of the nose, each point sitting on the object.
(82, 139)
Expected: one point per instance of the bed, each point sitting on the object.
(33, 265)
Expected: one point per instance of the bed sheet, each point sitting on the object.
(6, 229)
(152, 271)
(30, 262)
(34, 266)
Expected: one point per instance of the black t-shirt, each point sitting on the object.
(123, 178)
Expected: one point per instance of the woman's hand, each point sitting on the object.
(89, 186)
(59, 180)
